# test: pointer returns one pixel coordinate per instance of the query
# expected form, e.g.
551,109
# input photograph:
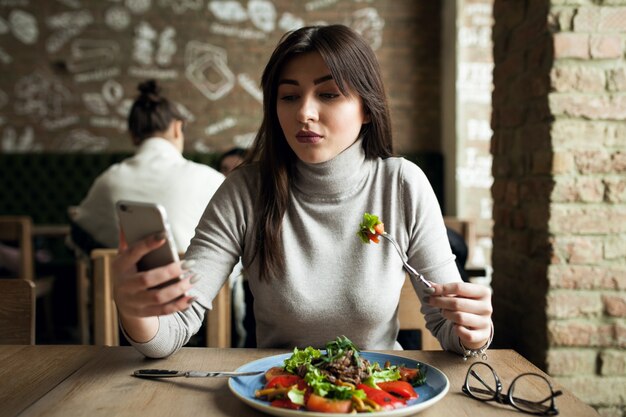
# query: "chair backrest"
17,312
466,229
17,230
106,333
411,318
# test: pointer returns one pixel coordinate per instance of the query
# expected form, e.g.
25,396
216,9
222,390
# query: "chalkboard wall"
70,67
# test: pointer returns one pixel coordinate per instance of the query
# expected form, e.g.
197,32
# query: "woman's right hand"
139,304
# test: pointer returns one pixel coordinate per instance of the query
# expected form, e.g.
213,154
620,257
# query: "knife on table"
166,373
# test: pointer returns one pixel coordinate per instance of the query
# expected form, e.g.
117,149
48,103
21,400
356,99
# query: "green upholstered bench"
44,185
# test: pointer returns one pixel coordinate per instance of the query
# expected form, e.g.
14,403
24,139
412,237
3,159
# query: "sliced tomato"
283,381
400,388
382,398
324,405
379,229
373,237
285,403
409,374
275,371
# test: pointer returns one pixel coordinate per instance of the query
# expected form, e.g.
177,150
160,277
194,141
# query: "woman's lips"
308,137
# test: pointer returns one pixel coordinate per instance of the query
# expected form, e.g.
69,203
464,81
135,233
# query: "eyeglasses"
531,393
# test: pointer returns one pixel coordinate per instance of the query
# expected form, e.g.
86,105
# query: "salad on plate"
339,380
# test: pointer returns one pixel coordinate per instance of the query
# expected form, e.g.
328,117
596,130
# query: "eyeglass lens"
482,382
531,393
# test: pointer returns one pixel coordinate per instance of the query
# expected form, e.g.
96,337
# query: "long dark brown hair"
151,112
354,67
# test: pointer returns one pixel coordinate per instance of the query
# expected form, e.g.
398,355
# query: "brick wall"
559,191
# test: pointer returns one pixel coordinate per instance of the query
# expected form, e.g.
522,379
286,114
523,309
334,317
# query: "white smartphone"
139,220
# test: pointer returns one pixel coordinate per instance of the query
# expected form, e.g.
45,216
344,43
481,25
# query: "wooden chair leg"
106,332
82,293
219,320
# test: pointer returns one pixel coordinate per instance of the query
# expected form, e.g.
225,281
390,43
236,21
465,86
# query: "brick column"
559,167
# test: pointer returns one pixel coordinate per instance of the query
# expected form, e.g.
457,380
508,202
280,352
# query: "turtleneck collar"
334,177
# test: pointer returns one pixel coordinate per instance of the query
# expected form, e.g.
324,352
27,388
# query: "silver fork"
429,288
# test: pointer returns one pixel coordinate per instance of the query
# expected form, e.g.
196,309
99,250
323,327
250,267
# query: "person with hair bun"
157,173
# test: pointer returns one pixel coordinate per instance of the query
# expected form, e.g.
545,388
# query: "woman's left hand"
468,306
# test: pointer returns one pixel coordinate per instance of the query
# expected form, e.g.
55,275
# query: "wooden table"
95,381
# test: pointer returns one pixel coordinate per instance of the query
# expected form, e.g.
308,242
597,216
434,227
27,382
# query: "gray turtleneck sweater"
333,284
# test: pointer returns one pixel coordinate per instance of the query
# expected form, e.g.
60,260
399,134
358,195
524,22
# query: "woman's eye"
288,97
329,96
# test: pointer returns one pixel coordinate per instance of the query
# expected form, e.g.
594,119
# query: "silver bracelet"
481,351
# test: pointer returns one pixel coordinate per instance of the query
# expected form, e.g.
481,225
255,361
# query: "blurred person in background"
157,173
231,159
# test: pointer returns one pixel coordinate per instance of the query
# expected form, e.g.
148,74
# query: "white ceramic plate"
433,390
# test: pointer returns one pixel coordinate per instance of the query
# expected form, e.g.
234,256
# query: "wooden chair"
106,333
17,312
18,231
412,319
467,230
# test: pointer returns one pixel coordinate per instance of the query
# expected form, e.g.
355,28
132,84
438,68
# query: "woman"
156,173
321,158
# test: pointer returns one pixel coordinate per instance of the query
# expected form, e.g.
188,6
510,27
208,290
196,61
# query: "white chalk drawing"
156,73
74,4
318,4
220,126
290,22
262,13
94,102
143,49
117,18
67,25
108,122
123,107
235,32
39,96
12,142
112,92
167,46
185,112
92,54
230,11
181,6
60,122
244,140
250,86
110,97
198,146
97,75
369,24
479,130
138,6
206,67
5,58
81,140
24,26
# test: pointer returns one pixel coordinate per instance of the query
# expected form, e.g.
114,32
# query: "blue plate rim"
395,359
